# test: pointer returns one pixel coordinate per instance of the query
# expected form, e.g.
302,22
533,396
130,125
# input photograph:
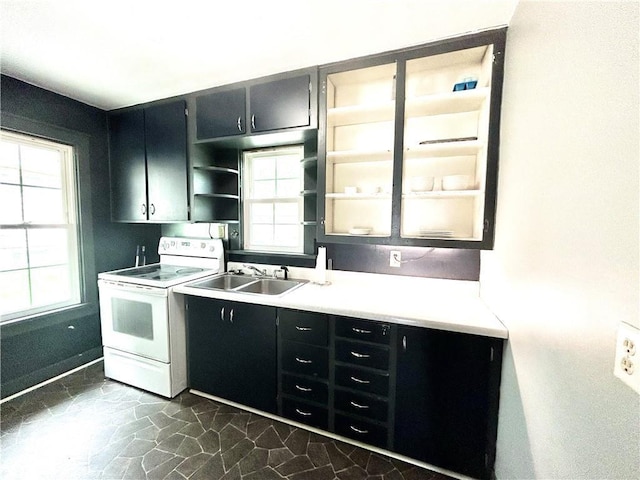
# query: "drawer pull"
360,330
303,389
303,413
360,355
359,380
357,405
303,329
357,430
302,360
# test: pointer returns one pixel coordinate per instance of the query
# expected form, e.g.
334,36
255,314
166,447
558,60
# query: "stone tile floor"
86,427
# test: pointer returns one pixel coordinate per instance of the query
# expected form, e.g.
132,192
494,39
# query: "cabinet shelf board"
441,194
444,149
309,223
217,195
212,168
359,196
446,103
357,114
347,234
357,156
308,161
307,193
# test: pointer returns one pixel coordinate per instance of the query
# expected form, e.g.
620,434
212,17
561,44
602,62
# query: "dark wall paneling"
444,263
34,351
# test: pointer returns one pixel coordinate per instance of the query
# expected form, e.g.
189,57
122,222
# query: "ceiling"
117,53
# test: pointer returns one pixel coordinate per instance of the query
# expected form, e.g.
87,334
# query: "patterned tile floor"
85,427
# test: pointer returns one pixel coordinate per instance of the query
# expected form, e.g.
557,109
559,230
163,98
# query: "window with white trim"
39,257
272,203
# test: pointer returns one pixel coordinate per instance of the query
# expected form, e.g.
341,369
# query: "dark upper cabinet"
280,104
258,107
446,402
221,114
232,351
148,161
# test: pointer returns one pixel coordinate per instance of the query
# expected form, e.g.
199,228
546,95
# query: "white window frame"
70,224
249,199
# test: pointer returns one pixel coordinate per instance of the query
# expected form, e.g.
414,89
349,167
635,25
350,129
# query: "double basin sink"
256,285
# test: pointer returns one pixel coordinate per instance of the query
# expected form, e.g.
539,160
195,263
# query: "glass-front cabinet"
408,151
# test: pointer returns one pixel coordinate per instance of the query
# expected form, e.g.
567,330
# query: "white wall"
565,268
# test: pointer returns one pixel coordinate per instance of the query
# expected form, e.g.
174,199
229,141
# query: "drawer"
304,327
362,354
362,405
362,380
363,431
305,359
305,413
305,388
366,330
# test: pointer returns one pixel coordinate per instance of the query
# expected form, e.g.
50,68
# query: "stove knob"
203,245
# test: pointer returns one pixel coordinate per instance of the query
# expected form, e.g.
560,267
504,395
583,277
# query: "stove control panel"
191,247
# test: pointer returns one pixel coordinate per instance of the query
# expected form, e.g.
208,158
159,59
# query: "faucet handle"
283,269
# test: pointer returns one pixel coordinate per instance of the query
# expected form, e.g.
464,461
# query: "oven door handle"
131,288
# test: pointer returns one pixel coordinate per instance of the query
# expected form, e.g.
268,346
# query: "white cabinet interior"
444,136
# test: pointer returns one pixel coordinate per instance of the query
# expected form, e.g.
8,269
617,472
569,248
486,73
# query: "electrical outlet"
627,362
395,258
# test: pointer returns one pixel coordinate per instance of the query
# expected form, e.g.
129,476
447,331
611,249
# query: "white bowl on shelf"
457,182
360,231
421,184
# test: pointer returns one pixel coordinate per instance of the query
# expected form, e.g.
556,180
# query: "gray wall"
38,349
564,271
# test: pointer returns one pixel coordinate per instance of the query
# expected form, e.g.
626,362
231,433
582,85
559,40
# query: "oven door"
135,319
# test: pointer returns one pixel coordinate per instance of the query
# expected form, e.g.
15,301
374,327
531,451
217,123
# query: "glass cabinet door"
446,125
360,106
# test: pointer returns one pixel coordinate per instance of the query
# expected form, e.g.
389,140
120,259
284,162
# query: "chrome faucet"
259,273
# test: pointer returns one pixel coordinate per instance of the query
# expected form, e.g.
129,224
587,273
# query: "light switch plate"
627,362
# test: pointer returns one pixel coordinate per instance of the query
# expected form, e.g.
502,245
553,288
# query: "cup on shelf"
457,182
421,184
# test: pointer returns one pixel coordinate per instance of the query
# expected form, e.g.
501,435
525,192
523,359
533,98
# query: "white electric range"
143,319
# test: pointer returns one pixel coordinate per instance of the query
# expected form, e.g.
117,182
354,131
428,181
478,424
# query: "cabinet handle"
357,430
303,389
360,330
303,329
144,209
71,327
404,343
222,314
303,413
359,380
360,355
302,360
253,121
357,405
153,209
239,124
231,316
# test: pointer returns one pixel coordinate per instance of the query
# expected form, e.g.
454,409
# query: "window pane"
262,213
289,166
287,235
41,166
48,247
264,189
263,168
9,163
14,291
287,213
288,188
11,211
43,205
13,249
262,235
50,285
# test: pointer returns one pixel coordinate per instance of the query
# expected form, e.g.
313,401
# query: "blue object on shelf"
470,84
460,86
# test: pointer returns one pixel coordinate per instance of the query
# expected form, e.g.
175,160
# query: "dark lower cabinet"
232,351
446,399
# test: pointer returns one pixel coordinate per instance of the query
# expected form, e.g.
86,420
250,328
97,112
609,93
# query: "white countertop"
441,304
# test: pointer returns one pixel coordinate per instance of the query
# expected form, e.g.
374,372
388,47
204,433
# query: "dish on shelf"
421,184
456,182
435,233
448,140
360,231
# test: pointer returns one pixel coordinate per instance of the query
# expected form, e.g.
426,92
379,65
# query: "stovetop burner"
159,272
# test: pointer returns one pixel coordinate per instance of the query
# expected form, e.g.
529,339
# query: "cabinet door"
166,144
444,412
232,351
127,165
280,104
221,114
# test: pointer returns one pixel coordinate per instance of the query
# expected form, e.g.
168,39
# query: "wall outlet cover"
627,362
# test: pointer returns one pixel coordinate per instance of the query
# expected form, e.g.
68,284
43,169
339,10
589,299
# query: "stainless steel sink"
240,284
224,282
268,286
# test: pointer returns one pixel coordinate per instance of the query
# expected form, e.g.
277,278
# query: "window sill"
45,319
273,258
